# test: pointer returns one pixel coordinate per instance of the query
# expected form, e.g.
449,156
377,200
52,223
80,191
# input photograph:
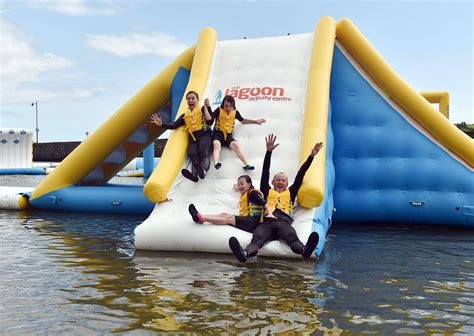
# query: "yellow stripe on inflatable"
172,159
315,122
23,202
116,130
438,97
448,135
137,174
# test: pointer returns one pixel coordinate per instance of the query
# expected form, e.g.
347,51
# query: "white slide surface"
270,75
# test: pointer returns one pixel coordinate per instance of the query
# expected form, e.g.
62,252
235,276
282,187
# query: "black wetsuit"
279,228
199,149
218,134
249,223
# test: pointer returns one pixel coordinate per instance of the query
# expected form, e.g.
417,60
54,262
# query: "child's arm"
206,109
269,211
253,121
256,198
243,120
154,119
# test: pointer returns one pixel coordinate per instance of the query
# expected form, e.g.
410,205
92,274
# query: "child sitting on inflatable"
252,207
281,200
197,121
225,117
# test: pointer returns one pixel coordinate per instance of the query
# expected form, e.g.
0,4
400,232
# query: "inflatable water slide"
16,152
389,155
80,182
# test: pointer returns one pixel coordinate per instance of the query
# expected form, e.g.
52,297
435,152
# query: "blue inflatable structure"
388,170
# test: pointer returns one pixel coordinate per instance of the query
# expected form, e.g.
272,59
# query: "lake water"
80,274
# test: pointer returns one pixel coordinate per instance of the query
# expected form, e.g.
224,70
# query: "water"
79,274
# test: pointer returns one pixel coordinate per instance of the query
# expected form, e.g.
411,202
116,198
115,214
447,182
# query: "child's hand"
154,119
260,121
235,187
206,102
270,215
316,148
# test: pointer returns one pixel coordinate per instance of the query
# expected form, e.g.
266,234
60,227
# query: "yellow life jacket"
225,122
280,201
194,121
249,209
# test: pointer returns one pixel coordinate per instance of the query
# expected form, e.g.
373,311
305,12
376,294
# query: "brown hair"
228,99
192,92
248,179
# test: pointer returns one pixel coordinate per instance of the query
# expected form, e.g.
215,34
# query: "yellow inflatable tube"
438,97
405,96
172,159
315,123
117,129
121,125
23,202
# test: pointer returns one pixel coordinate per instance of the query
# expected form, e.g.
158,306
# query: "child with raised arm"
197,121
281,199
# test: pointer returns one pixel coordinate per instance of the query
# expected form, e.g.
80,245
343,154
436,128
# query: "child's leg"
193,151
236,148
222,218
217,151
205,144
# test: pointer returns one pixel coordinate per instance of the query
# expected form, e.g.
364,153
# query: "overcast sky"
82,60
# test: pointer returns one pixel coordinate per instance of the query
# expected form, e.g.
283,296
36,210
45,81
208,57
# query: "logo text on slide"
267,93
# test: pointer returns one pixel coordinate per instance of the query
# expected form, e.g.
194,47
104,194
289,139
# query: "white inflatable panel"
269,79
132,165
16,148
44,164
10,196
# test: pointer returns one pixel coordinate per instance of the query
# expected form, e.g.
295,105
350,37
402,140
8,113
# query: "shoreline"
57,151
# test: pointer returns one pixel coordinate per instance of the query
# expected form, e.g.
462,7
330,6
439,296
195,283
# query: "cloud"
19,61
26,95
76,7
133,44
24,73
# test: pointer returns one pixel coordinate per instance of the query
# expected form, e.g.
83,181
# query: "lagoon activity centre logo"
267,93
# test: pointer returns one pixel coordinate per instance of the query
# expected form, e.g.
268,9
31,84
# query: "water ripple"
80,274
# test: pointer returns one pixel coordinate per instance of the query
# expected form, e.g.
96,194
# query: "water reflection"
218,296
169,291
403,280
69,273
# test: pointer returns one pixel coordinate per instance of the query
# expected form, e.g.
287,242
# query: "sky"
82,60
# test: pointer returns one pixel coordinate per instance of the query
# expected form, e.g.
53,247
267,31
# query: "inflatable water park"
390,153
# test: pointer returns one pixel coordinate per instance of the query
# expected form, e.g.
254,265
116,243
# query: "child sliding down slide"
281,200
197,122
252,206
225,117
